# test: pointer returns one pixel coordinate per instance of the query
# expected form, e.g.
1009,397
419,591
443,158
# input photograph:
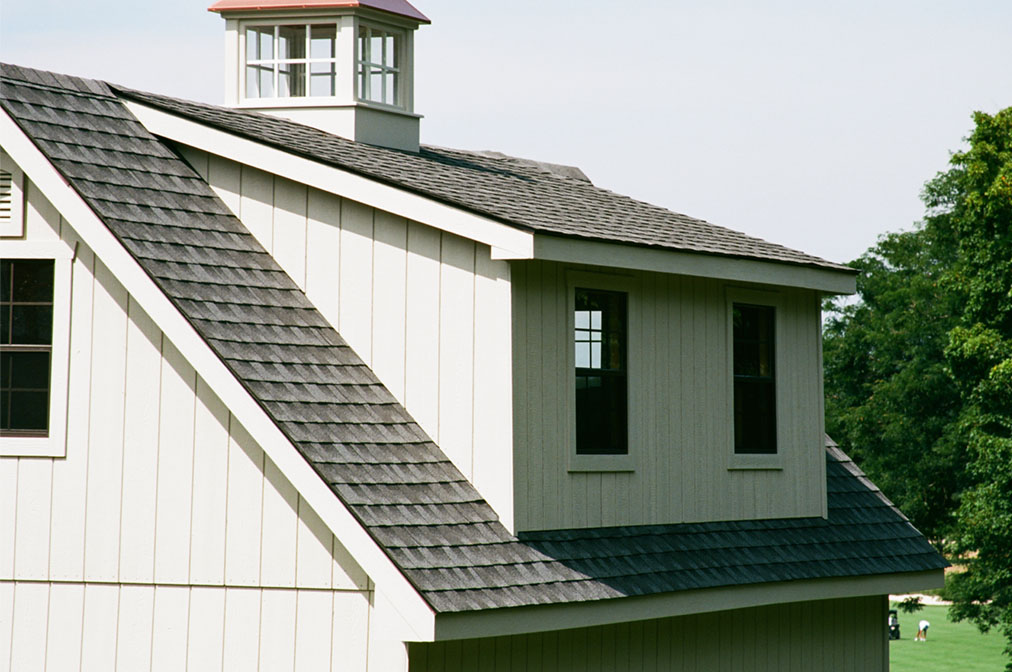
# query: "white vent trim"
12,199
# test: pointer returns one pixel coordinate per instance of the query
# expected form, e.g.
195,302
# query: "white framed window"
604,374
755,364
35,279
380,64
291,60
12,203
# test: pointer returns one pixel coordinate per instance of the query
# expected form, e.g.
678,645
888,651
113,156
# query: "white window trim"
55,443
14,225
401,45
615,283
774,299
289,101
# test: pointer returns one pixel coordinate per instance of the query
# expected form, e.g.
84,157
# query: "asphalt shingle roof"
421,510
553,200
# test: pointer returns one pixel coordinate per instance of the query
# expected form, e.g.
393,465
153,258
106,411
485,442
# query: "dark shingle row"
402,488
515,191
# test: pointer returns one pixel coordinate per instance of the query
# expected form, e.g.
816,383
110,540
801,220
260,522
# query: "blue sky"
813,125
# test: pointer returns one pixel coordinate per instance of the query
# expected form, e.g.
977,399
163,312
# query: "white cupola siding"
343,66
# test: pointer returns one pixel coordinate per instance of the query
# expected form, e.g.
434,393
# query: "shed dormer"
343,66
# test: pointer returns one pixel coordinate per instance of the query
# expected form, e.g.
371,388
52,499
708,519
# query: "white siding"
847,635
679,409
427,310
165,537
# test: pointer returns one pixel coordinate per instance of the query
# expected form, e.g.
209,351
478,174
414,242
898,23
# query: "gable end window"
35,284
600,321
26,345
755,417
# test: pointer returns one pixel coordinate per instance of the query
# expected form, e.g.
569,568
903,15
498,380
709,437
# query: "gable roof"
532,196
402,489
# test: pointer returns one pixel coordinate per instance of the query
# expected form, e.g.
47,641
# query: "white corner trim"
602,253
209,366
523,620
515,242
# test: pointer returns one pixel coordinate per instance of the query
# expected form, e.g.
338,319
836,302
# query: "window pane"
28,410
601,400
26,370
5,324
322,41
265,82
5,280
390,92
754,382
363,43
32,325
259,43
33,280
259,81
322,79
389,51
376,47
291,80
291,42
376,86
601,423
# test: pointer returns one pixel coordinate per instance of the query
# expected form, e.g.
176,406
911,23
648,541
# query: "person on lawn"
922,631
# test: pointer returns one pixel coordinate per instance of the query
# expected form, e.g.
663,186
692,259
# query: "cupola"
343,66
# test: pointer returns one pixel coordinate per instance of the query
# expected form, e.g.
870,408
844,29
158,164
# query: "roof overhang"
400,8
417,619
521,620
507,241
602,253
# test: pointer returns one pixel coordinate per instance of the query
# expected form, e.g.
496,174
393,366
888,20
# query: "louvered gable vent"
6,179
11,205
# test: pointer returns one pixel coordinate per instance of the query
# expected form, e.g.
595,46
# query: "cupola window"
379,65
291,61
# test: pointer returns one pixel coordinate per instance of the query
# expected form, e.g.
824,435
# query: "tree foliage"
919,371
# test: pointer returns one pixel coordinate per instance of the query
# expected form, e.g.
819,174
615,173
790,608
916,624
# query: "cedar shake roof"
400,486
538,197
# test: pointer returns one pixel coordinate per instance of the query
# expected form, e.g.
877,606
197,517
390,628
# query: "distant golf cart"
894,625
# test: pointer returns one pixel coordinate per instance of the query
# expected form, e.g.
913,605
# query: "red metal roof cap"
398,7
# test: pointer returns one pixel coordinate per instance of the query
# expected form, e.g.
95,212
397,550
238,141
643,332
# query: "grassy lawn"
950,646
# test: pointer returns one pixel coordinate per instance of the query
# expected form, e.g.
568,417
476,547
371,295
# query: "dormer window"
379,65
291,61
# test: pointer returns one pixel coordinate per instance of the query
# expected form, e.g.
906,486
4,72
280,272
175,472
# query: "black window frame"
34,316
602,420
754,369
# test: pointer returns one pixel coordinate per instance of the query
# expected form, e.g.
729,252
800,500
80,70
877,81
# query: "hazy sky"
811,124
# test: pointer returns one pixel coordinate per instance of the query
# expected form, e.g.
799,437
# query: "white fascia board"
599,253
518,244
521,620
381,570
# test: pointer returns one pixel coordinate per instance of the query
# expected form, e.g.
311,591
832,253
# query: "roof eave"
543,618
701,263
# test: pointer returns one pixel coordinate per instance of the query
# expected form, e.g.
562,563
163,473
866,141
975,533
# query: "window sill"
32,446
742,462
599,463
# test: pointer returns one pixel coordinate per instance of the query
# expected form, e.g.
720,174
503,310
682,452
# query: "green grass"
950,646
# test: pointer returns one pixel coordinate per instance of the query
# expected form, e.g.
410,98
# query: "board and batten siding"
166,538
428,311
844,635
680,419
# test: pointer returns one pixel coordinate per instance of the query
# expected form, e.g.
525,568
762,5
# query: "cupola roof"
397,7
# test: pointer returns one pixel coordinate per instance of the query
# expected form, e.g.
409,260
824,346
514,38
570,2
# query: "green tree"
919,370
976,198
889,398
